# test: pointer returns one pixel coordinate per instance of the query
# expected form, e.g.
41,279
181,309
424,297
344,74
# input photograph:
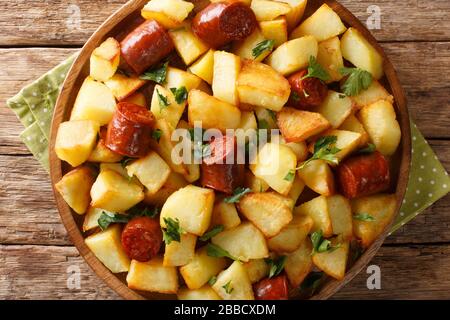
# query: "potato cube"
174,182
300,149
329,56
118,168
268,211
204,67
169,13
177,78
257,269
123,86
244,242
192,206
341,216
75,140
201,268
291,236
275,30
260,85
137,98
266,10
382,207
75,186
322,24
274,164
188,46
152,276
107,247
317,209
193,172
105,60
372,94
212,112
379,120
335,108
94,102
247,127
266,118
254,183
293,55
244,48
203,293
294,16
225,214
347,142
226,70
298,125
151,170
353,124
103,154
318,176
234,283
171,112
180,253
356,49
297,188
113,192
333,262
299,263
91,218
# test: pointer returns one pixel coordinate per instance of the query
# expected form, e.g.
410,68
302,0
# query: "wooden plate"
115,26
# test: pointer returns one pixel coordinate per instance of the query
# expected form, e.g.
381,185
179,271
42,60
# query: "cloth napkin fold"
34,104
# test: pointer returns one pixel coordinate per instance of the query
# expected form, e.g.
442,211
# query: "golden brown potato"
294,16
174,182
171,112
297,188
333,262
169,13
122,86
188,46
102,154
203,293
347,142
137,98
177,78
254,183
266,10
226,70
299,263
353,124
341,216
91,218
336,108
275,30
244,48
291,236
180,253
234,283
225,214
371,95
318,210
204,67
105,60
329,56
257,269
317,176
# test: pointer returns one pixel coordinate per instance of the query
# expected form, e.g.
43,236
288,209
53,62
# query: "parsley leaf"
163,103
138,211
263,124
294,96
324,149
156,135
173,231
315,70
212,280
266,45
228,288
180,94
367,150
238,193
107,218
213,232
320,244
276,266
125,161
290,176
217,252
272,114
357,81
363,217
157,74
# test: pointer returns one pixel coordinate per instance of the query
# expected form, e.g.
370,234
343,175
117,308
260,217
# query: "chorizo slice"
272,289
306,93
363,175
145,46
129,132
142,238
222,22
216,173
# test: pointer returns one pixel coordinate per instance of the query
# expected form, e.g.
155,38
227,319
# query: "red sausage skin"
363,175
222,22
216,173
307,93
272,289
142,238
129,132
145,46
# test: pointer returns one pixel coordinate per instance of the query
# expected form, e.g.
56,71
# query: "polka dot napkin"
34,105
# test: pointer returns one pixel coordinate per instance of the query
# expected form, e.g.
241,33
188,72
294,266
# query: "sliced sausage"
363,175
129,132
223,22
308,92
142,238
145,46
216,173
272,289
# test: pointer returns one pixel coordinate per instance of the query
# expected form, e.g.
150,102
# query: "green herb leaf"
163,102
107,218
212,280
276,266
151,213
228,288
320,244
342,96
367,150
180,94
266,45
312,282
324,149
295,96
156,134
238,193
157,74
290,176
213,232
315,70
363,217
263,124
126,161
217,252
272,114
173,231
357,81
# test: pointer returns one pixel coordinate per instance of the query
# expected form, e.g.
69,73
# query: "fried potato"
171,112
226,70
329,56
299,263
318,176
341,216
225,214
234,283
257,269
318,210
188,46
275,30
336,108
103,154
203,293
333,262
122,86
353,124
291,236
371,95
204,66
91,218
180,253
169,13
174,182
266,10
244,48
105,60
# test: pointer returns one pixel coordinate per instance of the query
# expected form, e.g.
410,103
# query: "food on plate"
231,149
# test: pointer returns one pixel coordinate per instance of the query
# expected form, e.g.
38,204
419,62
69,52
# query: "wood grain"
35,22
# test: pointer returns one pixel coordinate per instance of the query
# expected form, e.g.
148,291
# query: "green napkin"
33,105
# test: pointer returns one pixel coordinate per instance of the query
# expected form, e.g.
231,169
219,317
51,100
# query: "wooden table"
36,256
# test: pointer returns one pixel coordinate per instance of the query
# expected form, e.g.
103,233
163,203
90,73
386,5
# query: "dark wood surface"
35,251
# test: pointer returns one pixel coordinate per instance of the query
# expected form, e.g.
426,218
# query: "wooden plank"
34,22
406,273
